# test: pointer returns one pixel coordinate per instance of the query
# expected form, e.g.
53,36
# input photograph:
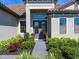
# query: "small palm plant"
50,56
25,55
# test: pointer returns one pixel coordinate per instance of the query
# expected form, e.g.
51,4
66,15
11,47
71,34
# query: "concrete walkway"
7,56
40,49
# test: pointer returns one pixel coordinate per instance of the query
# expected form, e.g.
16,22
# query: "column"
28,29
70,27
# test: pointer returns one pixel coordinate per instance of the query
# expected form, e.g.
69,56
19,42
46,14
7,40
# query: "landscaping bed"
16,45
58,48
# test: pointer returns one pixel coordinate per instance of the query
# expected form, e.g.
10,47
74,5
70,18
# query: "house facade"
37,15
8,23
42,16
65,20
58,22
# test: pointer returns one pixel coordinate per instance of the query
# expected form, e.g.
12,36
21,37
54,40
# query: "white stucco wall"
55,28
8,25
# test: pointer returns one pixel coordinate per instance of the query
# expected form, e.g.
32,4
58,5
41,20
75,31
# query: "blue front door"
37,25
40,25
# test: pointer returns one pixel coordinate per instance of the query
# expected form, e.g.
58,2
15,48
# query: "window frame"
20,26
65,26
74,26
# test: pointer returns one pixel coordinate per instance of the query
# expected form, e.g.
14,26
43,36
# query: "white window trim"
19,27
66,26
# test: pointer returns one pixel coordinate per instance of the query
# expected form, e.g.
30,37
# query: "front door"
40,28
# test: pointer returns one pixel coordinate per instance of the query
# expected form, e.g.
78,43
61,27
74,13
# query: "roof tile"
18,9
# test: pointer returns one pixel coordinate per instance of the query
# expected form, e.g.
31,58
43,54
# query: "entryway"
40,28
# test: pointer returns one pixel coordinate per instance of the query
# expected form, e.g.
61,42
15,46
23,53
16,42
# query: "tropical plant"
9,44
28,45
26,36
25,55
50,56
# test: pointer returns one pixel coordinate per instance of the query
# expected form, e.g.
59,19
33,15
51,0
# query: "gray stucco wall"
8,25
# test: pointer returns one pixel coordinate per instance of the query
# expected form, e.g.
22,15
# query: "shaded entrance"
39,24
40,28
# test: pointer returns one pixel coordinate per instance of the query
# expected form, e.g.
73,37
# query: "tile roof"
5,8
18,9
58,6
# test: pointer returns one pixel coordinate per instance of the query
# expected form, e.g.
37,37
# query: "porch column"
28,26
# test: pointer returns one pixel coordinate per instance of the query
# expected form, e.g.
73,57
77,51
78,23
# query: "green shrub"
27,45
66,45
26,36
68,52
55,43
32,34
3,49
57,53
4,45
59,42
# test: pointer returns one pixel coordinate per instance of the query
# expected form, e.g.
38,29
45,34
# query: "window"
62,25
22,26
76,25
39,16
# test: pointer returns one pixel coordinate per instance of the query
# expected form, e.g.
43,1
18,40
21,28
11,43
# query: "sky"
13,2
63,1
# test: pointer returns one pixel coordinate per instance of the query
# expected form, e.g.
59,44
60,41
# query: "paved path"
7,56
40,49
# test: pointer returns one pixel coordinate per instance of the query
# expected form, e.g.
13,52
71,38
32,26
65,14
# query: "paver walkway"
40,49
